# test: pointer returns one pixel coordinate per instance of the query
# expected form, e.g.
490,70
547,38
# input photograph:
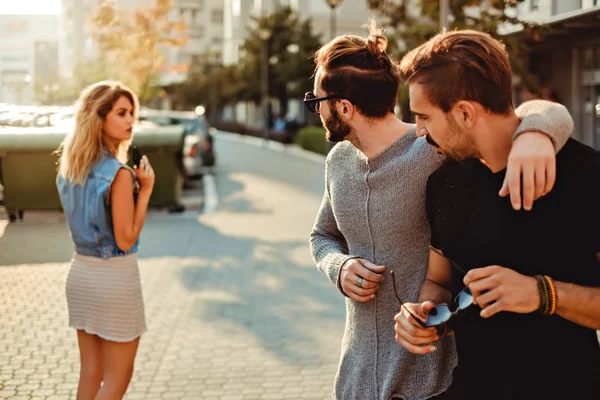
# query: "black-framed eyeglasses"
313,103
441,313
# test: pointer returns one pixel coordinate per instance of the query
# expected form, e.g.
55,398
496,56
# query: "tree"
290,48
131,42
412,26
210,82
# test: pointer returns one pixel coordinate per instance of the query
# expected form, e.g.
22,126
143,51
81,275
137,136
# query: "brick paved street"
235,307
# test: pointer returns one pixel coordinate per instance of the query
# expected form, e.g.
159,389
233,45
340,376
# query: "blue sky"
30,7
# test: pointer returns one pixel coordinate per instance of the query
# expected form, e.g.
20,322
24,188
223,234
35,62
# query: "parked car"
198,151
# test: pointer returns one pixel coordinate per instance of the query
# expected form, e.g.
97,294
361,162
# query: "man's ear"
345,109
465,113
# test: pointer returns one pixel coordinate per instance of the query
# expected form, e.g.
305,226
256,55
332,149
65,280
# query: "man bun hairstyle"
360,70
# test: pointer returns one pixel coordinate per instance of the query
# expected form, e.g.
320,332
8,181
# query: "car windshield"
191,125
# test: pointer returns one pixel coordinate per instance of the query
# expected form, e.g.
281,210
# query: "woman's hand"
145,175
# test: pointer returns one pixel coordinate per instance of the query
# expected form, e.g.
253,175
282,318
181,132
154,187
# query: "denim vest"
88,211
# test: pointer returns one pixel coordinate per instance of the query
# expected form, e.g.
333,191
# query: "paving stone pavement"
212,333
234,305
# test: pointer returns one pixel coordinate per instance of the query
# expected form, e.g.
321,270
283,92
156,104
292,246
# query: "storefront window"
589,91
596,142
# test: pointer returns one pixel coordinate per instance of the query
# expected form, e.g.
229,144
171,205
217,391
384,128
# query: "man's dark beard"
337,130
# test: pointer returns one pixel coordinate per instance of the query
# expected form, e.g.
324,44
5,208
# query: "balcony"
565,6
191,4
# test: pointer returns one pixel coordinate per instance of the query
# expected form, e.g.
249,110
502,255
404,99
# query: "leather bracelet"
544,294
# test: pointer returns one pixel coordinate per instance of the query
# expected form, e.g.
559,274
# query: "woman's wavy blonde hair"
84,145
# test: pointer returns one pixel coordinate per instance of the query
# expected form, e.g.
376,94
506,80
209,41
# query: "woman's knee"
119,359
91,372
119,378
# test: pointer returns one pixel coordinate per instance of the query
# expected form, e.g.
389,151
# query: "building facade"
349,17
28,56
566,62
204,20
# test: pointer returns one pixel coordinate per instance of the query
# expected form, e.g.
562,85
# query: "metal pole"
332,33
332,27
213,95
444,12
265,87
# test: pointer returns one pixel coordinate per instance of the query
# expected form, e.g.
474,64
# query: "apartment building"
566,63
349,17
204,19
74,44
28,56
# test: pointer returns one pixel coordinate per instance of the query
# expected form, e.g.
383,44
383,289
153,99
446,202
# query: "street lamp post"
265,35
333,4
214,65
444,12
332,25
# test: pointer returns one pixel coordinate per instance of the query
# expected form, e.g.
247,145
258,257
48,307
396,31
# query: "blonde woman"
105,204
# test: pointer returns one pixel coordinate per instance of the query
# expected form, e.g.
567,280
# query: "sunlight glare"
30,7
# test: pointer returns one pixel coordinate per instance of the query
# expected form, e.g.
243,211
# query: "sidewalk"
234,311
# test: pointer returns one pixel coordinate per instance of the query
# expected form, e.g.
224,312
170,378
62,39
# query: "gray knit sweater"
375,209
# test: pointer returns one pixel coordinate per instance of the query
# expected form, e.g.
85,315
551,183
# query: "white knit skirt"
104,297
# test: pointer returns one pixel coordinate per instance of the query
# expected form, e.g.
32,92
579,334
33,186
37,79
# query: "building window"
217,16
534,5
194,14
196,32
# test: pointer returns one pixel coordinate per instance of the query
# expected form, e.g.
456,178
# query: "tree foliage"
289,73
131,41
414,22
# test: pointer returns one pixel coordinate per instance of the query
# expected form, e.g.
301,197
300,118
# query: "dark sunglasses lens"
464,299
312,107
438,315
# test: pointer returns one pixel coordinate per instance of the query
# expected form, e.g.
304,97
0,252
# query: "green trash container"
161,145
29,166
29,169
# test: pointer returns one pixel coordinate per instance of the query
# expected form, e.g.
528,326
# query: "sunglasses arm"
415,317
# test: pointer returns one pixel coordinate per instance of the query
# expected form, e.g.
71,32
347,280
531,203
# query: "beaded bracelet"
553,295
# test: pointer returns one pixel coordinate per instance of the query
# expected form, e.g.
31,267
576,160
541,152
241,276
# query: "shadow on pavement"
274,165
254,285
230,190
34,243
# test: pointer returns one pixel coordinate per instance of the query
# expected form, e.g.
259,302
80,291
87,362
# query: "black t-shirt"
522,356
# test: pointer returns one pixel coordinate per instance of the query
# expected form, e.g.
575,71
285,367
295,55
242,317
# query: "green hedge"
312,138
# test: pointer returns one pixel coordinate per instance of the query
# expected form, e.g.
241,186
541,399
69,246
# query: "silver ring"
359,281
